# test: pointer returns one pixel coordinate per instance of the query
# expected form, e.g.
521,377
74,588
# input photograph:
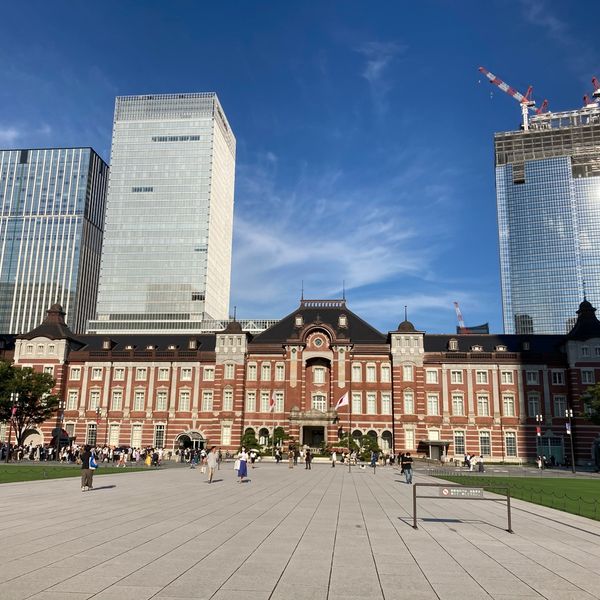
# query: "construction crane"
463,329
459,317
595,94
526,101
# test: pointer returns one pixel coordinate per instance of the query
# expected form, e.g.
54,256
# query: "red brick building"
431,394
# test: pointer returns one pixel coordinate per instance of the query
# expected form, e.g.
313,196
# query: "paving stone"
326,534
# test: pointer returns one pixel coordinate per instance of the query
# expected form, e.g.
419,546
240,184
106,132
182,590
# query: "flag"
272,402
343,401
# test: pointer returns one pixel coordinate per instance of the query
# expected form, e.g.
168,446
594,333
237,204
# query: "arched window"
386,442
263,436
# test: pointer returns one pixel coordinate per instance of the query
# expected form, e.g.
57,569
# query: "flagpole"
350,421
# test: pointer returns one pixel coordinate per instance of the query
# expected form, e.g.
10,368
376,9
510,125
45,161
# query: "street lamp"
539,419
569,427
98,415
14,398
61,415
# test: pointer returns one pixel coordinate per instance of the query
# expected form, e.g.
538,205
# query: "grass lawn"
12,473
577,496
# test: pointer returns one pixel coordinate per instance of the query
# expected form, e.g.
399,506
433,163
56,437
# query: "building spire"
405,312
302,292
343,289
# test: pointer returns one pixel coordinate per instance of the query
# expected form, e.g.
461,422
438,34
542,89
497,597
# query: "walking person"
243,467
480,466
212,462
407,467
87,472
308,459
333,458
374,457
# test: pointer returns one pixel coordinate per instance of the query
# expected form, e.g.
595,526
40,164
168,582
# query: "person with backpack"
88,466
407,467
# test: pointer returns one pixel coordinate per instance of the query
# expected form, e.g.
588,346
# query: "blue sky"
365,133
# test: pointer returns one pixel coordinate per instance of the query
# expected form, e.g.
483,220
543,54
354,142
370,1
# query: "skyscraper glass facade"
167,246
52,205
548,199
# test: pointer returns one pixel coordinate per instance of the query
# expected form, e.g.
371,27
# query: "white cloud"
379,56
9,135
324,228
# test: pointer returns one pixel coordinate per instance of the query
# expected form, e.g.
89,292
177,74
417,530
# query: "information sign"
461,492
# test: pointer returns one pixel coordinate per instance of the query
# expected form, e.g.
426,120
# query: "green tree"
249,440
280,435
591,401
343,443
34,404
368,445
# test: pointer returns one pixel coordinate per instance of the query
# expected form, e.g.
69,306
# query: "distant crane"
595,94
459,317
526,101
463,329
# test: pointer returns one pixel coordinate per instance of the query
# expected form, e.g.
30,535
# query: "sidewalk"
288,534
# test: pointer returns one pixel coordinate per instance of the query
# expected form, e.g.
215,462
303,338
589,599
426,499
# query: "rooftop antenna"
344,290
584,292
302,294
405,312
234,312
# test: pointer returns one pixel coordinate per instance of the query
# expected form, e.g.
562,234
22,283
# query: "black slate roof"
53,327
513,343
327,312
587,325
140,342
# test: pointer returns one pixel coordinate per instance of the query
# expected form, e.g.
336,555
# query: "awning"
440,443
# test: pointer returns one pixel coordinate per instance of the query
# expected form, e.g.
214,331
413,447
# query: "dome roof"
407,327
233,327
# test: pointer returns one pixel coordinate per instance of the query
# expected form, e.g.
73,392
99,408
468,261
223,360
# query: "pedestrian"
291,453
219,459
243,465
87,472
407,467
374,457
253,455
212,462
308,459
539,462
333,458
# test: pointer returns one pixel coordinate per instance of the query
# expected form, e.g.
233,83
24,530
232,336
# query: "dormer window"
343,321
192,344
171,347
500,348
525,345
476,348
299,321
453,345
106,344
129,347
150,347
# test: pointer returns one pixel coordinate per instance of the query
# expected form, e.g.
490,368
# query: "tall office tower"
52,205
166,260
548,194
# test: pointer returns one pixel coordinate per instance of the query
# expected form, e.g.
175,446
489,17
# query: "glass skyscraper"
548,197
52,204
166,259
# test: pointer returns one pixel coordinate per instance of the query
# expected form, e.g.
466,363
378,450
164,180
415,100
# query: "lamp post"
98,415
14,397
569,427
539,419
61,415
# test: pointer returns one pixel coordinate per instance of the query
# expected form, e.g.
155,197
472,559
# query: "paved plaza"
285,535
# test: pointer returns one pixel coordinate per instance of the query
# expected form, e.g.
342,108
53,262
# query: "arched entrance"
34,437
190,439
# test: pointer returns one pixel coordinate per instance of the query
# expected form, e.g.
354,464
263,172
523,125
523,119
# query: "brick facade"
426,393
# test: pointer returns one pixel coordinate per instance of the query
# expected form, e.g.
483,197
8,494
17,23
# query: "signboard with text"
461,492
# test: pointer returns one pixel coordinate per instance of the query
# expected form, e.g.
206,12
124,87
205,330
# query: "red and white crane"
459,317
525,100
595,94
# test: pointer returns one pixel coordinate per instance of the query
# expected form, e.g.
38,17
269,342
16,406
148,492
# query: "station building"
504,397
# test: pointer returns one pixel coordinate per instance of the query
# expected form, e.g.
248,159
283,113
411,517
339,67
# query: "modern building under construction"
548,200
